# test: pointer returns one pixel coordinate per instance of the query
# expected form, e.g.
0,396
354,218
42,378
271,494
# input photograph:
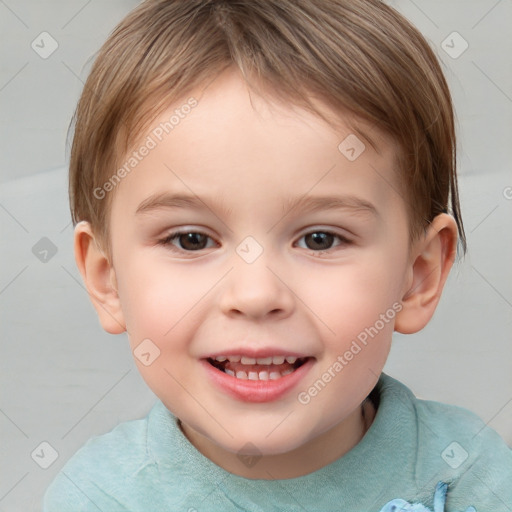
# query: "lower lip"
257,391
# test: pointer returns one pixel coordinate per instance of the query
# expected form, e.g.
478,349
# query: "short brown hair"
359,56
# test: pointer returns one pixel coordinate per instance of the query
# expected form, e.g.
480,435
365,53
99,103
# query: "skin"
247,157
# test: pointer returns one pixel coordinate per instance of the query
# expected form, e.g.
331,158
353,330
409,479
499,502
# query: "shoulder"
93,476
476,462
455,446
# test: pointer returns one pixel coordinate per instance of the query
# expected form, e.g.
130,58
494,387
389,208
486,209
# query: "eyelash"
167,241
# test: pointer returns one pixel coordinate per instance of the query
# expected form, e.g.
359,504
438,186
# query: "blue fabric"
416,456
439,503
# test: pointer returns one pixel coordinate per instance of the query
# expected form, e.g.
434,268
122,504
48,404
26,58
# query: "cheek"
354,295
161,303
357,306
155,297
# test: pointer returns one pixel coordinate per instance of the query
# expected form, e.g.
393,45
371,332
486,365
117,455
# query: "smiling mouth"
262,368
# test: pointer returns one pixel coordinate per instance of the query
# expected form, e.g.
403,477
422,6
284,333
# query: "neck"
309,457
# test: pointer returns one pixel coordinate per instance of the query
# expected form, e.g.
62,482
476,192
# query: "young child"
263,191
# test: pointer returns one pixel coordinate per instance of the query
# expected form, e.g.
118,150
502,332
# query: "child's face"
242,165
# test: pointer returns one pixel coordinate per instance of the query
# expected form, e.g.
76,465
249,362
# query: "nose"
255,291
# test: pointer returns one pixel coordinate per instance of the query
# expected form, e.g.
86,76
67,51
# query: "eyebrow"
305,203
166,200
347,202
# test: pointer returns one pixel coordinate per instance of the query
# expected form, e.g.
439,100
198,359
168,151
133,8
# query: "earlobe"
432,258
99,278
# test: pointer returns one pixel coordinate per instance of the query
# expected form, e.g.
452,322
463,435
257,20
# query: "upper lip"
256,353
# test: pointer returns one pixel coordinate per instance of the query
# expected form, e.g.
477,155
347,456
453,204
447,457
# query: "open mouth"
264,368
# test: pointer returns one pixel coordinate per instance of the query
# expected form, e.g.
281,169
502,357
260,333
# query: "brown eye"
319,241
193,241
188,241
322,241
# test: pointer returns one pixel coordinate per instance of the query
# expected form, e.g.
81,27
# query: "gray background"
63,379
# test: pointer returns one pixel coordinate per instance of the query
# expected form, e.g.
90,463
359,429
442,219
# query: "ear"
432,257
99,279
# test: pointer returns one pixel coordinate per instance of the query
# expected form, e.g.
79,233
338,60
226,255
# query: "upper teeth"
259,360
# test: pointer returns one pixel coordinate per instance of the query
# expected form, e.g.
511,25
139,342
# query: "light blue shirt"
416,456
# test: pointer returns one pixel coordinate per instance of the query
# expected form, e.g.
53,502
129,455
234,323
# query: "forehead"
244,150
